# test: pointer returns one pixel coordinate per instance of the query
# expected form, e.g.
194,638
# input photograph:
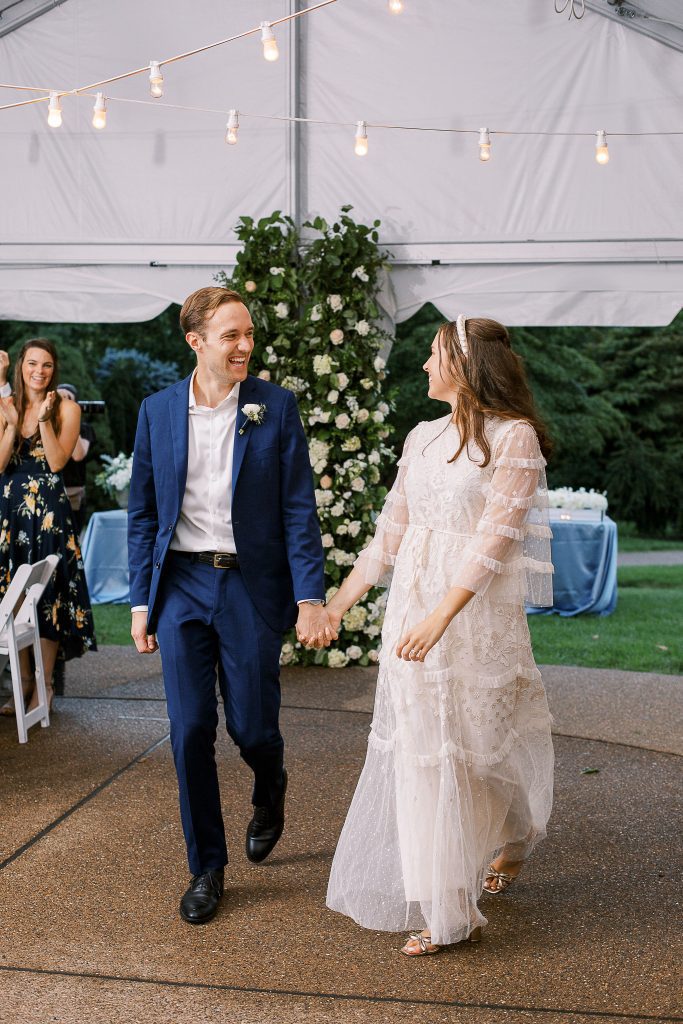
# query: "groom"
223,544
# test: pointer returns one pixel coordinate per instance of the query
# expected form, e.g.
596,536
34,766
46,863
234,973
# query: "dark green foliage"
126,377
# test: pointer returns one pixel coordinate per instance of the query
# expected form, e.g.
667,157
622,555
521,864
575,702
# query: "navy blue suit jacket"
274,517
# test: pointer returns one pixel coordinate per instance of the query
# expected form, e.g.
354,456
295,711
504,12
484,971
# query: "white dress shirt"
205,522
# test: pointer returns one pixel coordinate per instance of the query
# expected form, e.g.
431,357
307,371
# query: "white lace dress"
460,758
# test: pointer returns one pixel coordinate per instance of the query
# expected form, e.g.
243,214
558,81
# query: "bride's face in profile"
440,387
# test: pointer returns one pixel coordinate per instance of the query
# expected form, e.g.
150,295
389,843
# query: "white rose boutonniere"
254,414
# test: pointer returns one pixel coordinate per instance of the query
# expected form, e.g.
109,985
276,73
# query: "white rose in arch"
354,652
378,417
335,302
342,381
337,659
328,540
332,397
373,656
361,274
363,328
383,407
326,482
316,313
282,310
277,270
354,528
342,421
250,286
264,374
379,364
358,484
366,383
373,458
362,415
336,336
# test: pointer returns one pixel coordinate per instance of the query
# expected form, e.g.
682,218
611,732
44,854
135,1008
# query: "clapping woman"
38,434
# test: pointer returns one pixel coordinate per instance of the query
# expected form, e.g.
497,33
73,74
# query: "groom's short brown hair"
201,305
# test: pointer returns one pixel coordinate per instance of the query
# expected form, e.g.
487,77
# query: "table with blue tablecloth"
584,554
105,557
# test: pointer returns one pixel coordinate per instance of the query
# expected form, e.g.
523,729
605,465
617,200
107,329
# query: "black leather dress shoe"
200,902
265,828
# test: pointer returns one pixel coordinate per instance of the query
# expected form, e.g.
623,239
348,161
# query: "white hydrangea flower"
281,310
374,458
362,327
372,630
322,364
337,658
323,498
330,592
354,528
354,652
316,313
362,415
360,273
337,510
295,384
286,654
328,540
342,421
336,336
318,452
352,403
277,270
367,384
355,618
332,397
379,364
358,484
342,381
352,444
335,302
342,529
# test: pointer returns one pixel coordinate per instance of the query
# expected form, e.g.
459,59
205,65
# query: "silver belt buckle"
221,560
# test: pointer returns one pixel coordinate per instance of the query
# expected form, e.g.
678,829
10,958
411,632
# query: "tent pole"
294,109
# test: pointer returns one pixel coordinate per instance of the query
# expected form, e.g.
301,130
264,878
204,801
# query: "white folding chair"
21,630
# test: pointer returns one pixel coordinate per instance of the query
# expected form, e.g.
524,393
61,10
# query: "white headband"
462,336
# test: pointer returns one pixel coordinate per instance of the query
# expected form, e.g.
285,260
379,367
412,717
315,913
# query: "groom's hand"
313,627
145,642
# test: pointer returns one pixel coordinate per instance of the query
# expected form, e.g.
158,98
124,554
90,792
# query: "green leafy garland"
315,303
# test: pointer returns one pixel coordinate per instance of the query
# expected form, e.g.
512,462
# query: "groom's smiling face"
224,349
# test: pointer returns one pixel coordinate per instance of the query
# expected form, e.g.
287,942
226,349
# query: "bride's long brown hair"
20,389
490,381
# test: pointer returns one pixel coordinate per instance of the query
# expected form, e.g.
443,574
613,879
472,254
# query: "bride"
457,785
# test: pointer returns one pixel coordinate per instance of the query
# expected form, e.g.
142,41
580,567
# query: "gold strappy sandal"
423,946
501,877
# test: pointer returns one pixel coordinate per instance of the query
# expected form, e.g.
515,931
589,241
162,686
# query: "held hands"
313,628
145,642
416,644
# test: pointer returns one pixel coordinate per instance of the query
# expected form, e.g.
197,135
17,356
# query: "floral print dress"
35,521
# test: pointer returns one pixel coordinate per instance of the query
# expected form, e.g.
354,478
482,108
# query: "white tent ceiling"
114,225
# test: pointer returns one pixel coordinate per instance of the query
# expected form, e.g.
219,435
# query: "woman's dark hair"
490,380
20,390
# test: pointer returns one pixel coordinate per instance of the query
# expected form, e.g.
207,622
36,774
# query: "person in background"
5,386
74,471
38,433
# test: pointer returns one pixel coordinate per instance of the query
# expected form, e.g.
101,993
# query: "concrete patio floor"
92,866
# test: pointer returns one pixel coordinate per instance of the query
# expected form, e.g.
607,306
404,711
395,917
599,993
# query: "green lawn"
644,634
648,544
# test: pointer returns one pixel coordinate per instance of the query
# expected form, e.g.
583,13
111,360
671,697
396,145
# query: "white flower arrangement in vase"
115,478
579,504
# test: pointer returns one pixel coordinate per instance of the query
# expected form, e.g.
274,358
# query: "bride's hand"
416,644
336,615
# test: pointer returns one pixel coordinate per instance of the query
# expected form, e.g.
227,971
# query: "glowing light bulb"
270,50
156,79
484,145
232,128
396,6
361,147
601,150
54,111
99,112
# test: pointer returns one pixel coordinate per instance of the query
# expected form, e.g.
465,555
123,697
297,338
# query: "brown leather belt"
218,559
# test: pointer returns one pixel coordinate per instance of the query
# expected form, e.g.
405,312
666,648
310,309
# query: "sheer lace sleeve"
513,535
377,560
